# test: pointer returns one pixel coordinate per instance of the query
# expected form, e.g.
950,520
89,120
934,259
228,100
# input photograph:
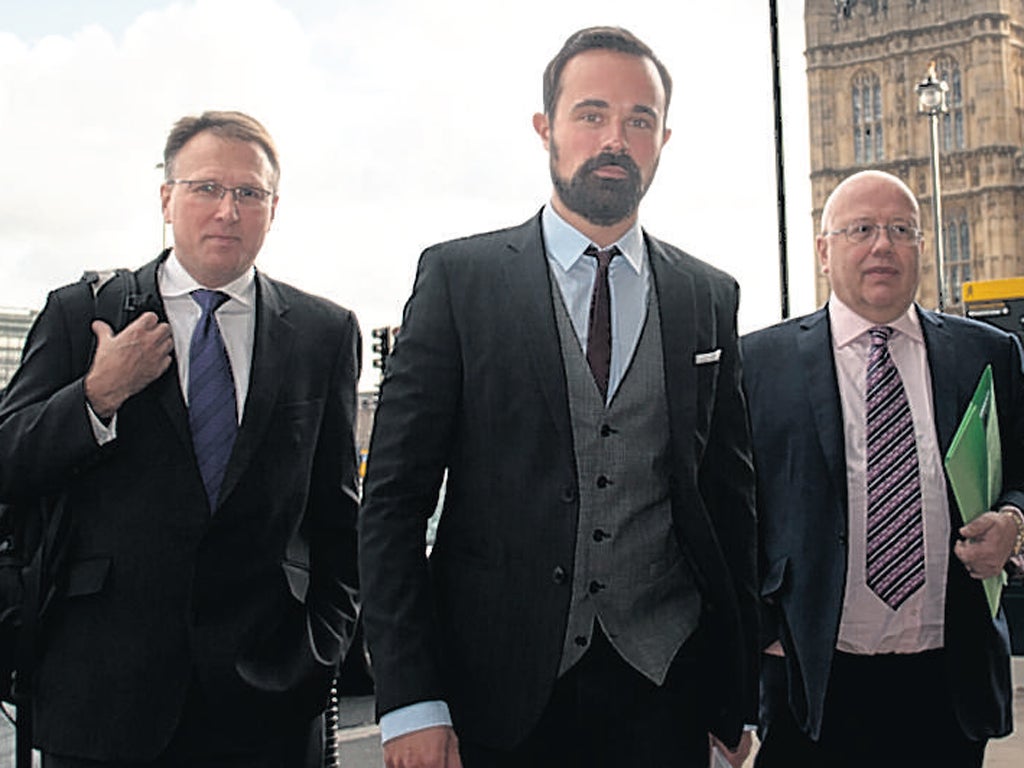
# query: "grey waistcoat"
629,573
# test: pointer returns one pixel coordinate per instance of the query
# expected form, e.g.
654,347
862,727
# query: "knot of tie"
209,301
603,256
880,335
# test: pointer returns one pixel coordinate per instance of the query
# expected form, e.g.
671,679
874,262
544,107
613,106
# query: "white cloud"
399,123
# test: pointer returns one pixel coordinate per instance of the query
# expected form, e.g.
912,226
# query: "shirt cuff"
104,433
415,717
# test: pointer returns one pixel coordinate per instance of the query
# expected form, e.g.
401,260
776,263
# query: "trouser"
886,711
604,714
200,742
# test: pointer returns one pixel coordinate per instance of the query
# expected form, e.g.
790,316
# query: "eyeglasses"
863,231
211,192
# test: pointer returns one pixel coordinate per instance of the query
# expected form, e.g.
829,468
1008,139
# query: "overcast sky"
399,123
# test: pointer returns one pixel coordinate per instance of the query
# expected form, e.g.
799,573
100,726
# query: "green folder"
974,466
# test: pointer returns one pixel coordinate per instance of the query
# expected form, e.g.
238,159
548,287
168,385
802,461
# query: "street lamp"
931,101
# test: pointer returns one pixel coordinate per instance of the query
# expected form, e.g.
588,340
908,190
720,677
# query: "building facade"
864,59
14,327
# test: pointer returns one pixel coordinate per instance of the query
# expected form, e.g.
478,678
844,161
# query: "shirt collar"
565,244
176,281
848,326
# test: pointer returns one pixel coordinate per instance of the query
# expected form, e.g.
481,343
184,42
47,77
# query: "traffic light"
381,346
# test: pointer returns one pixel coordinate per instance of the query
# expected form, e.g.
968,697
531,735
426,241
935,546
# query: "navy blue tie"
212,410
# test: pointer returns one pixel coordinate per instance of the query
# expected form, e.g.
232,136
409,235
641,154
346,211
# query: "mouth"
883,272
611,171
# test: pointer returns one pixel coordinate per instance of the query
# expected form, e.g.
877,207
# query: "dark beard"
600,201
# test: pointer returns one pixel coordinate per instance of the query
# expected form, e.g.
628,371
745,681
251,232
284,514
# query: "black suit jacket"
800,456
476,386
254,603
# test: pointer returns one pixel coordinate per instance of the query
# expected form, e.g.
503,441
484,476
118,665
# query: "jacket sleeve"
412,432
45,434
333,506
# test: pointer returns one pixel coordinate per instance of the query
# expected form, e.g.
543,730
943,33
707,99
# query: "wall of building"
894,40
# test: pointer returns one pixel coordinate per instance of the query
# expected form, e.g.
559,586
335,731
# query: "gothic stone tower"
864,58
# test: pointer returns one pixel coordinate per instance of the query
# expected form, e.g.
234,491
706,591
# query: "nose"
227,206
883,231
614,139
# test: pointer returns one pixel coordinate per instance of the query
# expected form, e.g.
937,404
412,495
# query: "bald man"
879,645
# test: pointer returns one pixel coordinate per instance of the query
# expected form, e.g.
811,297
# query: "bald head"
860,180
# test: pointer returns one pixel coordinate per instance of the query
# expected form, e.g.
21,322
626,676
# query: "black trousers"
200,742
605,714
887,711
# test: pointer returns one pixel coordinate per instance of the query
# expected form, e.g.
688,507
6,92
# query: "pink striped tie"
895,532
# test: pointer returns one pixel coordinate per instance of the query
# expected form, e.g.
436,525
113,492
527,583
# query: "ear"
821,246
273,208
165,202
543,128
666,136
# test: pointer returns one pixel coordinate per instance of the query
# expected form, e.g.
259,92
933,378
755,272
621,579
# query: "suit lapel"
940,348
679,306
271,351
166,389
814,347
528,282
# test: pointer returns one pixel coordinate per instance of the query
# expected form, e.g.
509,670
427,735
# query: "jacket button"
602,482
595,587
600,535
558,575
568,494
606,430
580,640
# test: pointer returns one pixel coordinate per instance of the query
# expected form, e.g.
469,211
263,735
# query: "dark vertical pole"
780,173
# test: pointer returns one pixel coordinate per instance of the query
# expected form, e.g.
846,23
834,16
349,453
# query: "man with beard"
590,598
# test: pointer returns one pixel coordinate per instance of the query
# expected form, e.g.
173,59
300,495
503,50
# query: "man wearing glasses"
879,646
208,468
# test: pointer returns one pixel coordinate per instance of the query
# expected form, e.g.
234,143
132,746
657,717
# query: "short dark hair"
228,125
598,38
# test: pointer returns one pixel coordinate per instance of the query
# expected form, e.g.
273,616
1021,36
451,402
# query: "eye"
640,122
860,229
207,188
250,193
899,229
591,117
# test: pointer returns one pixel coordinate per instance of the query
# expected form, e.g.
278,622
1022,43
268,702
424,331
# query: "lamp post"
931,102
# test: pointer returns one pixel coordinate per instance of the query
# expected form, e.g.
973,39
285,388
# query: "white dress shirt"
236,319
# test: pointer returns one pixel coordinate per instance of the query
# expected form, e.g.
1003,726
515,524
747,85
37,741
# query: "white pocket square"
703,358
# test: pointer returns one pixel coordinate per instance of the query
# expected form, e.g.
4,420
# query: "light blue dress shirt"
628,284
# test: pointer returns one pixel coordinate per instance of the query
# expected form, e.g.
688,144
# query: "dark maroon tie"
599,326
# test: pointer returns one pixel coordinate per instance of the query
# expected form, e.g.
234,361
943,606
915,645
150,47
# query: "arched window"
957,239
868,144
953,121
